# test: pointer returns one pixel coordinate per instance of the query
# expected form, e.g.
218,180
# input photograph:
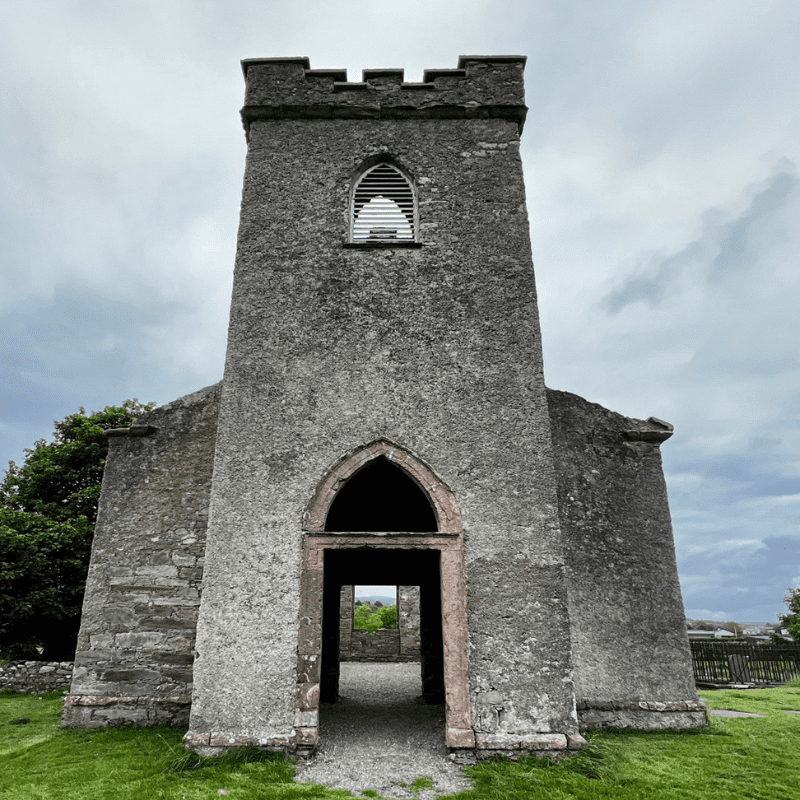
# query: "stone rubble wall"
409,621
135,653
381,646
35,677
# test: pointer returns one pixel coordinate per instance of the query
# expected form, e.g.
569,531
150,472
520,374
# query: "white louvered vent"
383,206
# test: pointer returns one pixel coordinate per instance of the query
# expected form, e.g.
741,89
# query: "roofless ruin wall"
426,353
136,643
633,665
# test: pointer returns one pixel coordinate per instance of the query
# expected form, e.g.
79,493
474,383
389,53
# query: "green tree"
48,508
365,619
791,621
388,617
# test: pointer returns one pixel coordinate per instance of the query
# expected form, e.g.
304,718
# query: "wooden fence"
737,662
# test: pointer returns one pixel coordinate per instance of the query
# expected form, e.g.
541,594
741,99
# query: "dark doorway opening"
362,536
381,497
418,567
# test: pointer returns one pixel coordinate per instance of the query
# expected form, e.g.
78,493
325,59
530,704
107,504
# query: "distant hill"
372,598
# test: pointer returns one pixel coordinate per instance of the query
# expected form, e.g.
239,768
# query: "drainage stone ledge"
213,744
641,719
104,711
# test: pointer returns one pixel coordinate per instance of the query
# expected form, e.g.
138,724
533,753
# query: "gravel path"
377,737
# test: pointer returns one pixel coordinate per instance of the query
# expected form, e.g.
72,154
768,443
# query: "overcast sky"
661,157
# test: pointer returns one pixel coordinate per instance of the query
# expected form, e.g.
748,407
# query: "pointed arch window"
383,207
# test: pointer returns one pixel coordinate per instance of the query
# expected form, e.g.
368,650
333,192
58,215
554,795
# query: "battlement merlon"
287,88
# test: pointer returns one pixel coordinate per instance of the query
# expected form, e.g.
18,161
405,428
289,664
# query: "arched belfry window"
383,208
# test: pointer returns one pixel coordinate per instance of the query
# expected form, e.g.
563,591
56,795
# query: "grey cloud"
652,287
122,146
733,242
764,571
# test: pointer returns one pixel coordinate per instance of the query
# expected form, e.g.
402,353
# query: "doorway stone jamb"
448,540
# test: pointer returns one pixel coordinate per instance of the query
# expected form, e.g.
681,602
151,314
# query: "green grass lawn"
733,758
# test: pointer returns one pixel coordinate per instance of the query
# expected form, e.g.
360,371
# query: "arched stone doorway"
372,513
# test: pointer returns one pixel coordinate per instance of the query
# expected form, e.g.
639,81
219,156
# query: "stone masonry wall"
633,666
136,644
480,87
381,646
409,621
35,677
401,644
333,345
432,350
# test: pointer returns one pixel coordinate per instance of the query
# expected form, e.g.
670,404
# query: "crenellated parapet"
287,88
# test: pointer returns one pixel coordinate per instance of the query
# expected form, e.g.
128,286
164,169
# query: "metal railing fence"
738,662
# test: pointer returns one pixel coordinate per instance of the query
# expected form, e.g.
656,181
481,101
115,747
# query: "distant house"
719,634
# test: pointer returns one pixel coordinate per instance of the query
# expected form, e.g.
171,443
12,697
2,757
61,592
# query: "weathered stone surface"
35,677
576,742
88,711
306,736
554,566
520,661
114,715
306,719
627,620
307,696
483,86
459,738
155,489
543,741
641,720
418,346
131,675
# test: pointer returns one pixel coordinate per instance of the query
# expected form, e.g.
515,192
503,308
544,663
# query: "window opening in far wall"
375,608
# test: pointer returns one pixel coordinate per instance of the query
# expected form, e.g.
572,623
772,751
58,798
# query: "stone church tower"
383,419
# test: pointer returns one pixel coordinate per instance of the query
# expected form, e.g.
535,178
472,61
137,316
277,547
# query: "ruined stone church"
383,419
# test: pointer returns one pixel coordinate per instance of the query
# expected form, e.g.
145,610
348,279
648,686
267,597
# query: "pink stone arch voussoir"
448,514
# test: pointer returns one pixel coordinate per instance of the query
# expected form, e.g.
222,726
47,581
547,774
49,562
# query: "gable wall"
136,643
629,639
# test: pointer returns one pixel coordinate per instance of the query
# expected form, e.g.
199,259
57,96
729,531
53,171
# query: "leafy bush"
365,619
